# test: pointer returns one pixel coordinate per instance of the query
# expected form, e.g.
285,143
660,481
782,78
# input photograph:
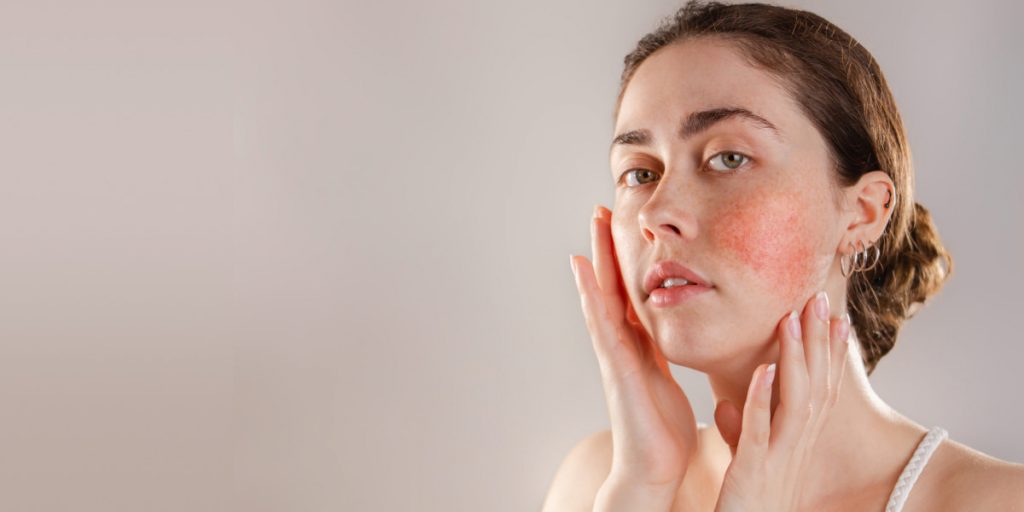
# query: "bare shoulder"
581,474
968,479
588,464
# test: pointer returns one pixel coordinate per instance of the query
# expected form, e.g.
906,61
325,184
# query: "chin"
692,348
705,350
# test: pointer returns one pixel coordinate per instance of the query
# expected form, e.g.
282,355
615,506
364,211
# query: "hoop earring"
858,259
874,261
863,256
854,258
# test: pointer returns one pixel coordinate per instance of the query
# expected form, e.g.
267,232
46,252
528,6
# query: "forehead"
684,77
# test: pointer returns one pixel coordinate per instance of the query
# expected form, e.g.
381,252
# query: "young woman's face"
748,208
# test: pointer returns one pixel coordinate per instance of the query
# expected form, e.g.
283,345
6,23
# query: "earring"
874,261
889,200
858,260
854,258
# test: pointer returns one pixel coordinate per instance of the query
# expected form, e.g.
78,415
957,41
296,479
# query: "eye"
634,177
729,159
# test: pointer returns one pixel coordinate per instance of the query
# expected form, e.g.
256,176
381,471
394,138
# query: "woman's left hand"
771,453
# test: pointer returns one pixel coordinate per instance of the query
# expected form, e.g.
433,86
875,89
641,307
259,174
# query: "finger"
816,349
609,277
619,358
631,409
840,347
728,419
604,264
612,355
793,411
606,215
753,444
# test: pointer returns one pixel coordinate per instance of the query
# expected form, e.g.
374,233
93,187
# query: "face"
748,208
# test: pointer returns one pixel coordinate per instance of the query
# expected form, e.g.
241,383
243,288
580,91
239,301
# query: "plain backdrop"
311,255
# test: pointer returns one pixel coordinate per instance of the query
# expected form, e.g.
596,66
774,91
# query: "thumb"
729,420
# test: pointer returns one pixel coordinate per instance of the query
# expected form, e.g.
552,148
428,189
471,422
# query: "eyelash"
747,159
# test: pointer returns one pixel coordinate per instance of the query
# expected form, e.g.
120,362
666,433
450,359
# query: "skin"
760,235
767,236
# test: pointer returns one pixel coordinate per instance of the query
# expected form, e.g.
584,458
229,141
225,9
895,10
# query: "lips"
665,269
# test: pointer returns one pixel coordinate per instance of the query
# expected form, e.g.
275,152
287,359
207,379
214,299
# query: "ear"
871,202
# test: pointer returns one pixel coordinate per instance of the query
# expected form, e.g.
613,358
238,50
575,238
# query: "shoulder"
971,480
581,474
589,462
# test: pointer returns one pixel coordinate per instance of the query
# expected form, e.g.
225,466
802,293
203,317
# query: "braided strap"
913,468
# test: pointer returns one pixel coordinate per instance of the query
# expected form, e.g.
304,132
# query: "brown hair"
841,89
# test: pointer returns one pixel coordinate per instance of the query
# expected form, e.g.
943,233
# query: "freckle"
770,234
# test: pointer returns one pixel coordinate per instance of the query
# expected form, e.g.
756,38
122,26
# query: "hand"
771,454
654,433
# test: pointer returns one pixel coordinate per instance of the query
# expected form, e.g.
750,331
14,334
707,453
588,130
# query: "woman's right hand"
654,433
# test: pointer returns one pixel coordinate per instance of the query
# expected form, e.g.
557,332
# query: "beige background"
311,256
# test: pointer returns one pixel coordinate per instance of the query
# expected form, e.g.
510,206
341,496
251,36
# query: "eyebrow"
695,123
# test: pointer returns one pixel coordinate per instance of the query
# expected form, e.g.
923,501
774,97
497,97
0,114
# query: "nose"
667,215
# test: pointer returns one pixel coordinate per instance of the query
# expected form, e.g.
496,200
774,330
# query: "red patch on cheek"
771,235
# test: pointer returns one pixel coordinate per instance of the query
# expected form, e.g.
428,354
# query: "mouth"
668,275
664,296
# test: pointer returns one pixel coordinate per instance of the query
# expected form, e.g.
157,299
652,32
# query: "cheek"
774,237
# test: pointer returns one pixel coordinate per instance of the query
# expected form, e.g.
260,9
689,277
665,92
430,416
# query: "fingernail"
572,265
821,306
597,211
769,375
794,324
844,328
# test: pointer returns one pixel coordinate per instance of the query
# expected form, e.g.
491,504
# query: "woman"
764,224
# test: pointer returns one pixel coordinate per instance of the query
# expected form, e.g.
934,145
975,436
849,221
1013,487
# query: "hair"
841,89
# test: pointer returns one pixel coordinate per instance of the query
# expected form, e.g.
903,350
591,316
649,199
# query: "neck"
863,445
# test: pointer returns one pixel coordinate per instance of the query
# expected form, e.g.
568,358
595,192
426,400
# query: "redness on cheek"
772,235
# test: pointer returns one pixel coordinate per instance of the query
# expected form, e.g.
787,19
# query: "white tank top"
914,467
